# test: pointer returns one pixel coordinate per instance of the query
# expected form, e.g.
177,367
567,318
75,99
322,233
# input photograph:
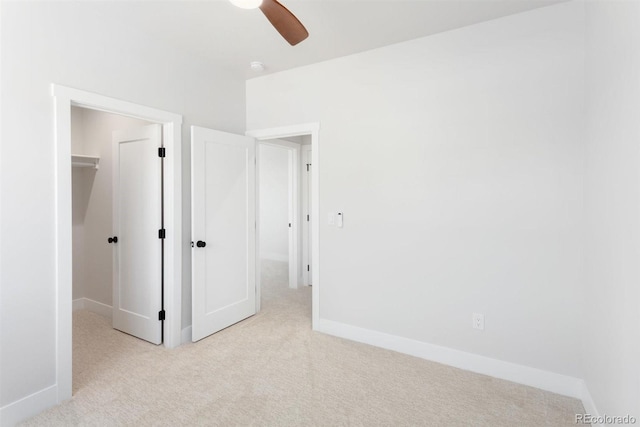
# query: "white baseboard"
185,337
545,380
93,306
272,256
28,406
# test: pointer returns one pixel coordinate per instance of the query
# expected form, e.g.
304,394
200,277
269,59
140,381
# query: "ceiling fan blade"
284,21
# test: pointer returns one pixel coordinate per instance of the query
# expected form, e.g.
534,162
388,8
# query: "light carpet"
273,370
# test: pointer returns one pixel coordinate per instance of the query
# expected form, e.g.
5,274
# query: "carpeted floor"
272,370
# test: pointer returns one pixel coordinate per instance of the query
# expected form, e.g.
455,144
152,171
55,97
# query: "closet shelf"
81,161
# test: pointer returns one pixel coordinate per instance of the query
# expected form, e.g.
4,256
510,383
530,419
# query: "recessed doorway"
65,98
116,214
279,209
309,134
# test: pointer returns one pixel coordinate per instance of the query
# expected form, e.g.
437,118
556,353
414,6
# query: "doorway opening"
169,125
116,214
92,207
305,139
279,209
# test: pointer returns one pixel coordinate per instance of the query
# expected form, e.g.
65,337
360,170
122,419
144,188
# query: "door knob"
201,244
113,239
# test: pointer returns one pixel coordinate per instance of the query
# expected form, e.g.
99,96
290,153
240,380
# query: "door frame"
306,155
312,129
64,98
293,208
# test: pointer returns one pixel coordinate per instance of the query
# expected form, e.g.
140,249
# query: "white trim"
93,306
63,249
258,263
64,98
28,406
306,156
186,335
285,131
545,380
173,247
98,102
281,143
312,129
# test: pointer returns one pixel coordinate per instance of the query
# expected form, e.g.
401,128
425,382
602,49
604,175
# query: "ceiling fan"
280,17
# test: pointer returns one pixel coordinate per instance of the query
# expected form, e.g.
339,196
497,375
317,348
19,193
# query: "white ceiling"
231,37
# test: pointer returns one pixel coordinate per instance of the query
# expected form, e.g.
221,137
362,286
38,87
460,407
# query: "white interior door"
137,218
223,203
292,236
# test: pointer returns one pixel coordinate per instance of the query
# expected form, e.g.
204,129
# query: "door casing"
306,210
64,98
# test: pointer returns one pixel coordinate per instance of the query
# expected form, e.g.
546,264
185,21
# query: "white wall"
457,160
92,208
274,203
82,45
612,310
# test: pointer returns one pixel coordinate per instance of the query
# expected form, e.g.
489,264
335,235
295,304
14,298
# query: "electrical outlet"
478,321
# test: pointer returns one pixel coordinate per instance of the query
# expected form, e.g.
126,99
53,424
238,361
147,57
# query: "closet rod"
84,161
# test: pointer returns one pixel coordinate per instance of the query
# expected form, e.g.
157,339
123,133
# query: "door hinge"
161,315
162,233
307,267
308,164
307,217
162,152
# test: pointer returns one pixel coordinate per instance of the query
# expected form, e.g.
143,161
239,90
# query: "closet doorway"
116,218
170,232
